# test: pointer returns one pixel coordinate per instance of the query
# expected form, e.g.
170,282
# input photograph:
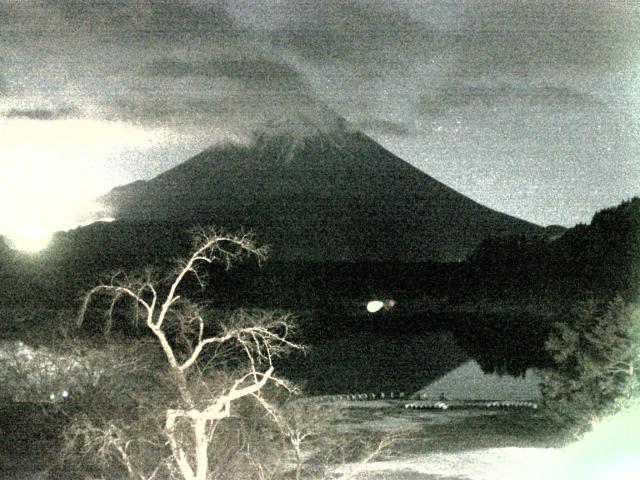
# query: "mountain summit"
313,193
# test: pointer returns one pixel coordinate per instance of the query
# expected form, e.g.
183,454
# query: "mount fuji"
317,193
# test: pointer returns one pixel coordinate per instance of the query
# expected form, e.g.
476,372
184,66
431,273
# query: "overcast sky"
530,108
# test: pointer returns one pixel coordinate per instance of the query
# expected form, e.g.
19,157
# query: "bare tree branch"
260,337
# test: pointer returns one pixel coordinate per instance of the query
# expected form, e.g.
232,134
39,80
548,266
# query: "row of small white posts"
361,397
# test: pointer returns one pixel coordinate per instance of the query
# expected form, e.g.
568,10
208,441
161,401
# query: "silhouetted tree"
597,357
603,258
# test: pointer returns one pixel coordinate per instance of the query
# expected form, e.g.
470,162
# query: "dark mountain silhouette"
600,259
317,194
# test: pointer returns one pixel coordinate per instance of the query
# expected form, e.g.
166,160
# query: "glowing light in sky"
52,169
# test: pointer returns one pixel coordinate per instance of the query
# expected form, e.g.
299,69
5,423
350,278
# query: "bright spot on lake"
374,305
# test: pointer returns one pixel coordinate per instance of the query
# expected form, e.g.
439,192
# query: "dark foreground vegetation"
191,397
504,298
204,380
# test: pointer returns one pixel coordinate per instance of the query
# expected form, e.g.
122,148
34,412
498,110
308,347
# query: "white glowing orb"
374,306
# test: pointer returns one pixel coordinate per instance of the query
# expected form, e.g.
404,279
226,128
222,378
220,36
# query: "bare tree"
180,329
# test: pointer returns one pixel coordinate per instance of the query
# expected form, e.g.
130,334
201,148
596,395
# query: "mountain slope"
325,194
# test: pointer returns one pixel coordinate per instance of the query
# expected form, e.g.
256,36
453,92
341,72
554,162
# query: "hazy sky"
530,108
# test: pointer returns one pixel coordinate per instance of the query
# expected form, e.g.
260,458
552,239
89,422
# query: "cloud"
41,113
353,32
543,38
188,62
376,59
459,95
492,35
552,16
252,72
80,16
237,88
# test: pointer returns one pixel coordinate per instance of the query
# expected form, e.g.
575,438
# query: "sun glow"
30,238
51,171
